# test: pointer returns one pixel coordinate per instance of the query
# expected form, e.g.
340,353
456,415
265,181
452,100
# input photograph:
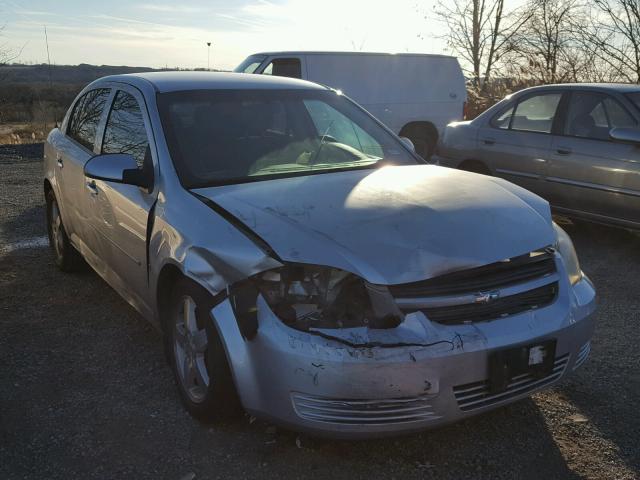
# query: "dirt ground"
85,391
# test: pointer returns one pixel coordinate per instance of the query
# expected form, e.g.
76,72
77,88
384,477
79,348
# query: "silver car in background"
576,145
303,263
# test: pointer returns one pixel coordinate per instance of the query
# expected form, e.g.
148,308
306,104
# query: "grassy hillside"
66,74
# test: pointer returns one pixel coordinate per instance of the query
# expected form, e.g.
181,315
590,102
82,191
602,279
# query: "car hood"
390,225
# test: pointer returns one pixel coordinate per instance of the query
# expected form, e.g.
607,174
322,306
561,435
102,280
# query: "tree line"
541,42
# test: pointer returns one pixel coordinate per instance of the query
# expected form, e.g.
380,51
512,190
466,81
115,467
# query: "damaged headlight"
565,247
310,296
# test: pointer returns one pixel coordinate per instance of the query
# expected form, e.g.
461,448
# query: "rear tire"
66,257
197,356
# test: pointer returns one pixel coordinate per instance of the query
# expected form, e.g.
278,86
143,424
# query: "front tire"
66,257
197,356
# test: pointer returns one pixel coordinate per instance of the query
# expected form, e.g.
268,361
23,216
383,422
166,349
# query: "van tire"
424,137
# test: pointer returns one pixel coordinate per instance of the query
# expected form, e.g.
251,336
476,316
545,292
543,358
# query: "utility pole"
208,55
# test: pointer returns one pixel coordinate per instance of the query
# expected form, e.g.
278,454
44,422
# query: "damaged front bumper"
328,387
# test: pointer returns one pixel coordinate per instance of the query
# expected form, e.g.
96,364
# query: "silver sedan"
576,145
303,263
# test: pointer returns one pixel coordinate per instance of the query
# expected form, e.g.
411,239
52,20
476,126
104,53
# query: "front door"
120,212
72,153
589,174
517,141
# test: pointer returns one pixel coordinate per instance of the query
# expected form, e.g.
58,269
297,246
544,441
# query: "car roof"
618,87
179,81
319,52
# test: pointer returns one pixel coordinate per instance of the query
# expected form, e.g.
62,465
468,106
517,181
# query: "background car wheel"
67,258
197,356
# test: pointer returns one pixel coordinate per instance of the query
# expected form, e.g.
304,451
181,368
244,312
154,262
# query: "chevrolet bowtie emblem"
486,297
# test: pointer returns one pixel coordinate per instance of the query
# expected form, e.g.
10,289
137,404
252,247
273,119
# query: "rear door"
589,173
516,143
120,212
77,148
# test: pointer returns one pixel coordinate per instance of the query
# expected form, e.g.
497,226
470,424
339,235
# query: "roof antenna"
46,40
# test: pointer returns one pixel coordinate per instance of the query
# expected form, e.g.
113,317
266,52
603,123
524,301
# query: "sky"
174,34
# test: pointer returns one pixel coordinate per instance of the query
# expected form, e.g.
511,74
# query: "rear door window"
592,115
86,115
125,131
284,67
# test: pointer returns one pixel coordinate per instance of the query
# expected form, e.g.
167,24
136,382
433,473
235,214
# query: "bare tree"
7,53
545,49
480,32
612,36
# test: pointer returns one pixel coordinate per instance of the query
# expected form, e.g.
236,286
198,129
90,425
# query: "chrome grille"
476,395
363,412
488,277
502,307
497,290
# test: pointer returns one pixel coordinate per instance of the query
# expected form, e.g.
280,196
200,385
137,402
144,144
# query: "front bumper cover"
325,387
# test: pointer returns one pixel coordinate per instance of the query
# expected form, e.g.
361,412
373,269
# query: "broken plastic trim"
387,345
243,297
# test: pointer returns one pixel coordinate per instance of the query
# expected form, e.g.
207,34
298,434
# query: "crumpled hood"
394,224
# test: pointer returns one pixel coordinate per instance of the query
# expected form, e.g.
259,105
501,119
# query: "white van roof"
317,52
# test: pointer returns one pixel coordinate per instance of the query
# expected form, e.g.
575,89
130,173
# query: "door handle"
563,150
59,161
489,141
92,187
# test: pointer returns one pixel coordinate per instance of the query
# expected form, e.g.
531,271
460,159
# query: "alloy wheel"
190,346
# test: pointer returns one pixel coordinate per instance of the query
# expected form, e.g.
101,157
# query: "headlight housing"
311,296
565,247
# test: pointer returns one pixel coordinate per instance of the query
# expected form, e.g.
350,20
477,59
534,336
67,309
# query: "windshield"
233,136
250,64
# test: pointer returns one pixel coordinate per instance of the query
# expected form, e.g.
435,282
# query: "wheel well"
424,136
166,280
421,129
47,187
476,166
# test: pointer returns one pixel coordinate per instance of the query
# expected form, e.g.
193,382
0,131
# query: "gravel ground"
85,392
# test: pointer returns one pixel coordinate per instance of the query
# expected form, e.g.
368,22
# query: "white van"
414,95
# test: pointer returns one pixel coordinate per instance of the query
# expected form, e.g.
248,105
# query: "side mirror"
627,135
117,168
408,143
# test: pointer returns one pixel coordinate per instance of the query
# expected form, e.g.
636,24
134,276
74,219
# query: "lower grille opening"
472,396
501,307
363,412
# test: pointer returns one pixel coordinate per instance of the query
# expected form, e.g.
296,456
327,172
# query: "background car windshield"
221,137
250,64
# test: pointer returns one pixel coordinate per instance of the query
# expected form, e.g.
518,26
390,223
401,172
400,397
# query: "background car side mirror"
408,143
627,135
117,168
